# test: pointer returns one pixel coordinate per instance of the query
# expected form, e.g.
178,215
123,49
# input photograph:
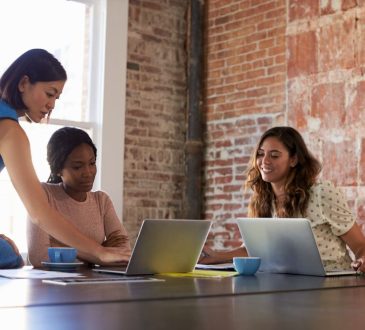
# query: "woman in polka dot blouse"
283,177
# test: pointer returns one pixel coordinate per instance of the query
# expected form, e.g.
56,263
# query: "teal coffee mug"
246,265
62,254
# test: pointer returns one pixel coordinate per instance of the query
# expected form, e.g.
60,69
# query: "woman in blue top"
30,88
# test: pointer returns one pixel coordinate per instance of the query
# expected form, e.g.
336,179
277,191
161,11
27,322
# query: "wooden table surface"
270,301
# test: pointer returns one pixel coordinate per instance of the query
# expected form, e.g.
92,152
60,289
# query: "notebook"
165,246
285,245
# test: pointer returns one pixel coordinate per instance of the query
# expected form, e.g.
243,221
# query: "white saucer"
61,265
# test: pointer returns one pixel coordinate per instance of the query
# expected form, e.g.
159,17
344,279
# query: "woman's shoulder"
52,188
6,111
323,186
100,195
12,134
102,199
326,189
7,125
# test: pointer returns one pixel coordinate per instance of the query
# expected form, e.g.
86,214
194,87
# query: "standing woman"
30,87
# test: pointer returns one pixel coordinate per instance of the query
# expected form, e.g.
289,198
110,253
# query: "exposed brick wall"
326,88
293,62
155,117
245,94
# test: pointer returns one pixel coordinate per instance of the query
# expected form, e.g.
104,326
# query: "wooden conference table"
263,301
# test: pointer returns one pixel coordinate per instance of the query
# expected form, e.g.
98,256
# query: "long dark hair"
38,65
300,179
60,145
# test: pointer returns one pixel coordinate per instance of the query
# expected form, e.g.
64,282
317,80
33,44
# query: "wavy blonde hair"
299,181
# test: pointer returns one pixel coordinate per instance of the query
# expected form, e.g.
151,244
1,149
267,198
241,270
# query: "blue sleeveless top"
6,111
8,257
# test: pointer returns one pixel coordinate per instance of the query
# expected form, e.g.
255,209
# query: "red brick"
220,3
223,144
223,180
151,5
225,197
232,227
278,31
266,43
224,107
340,161
336,46
330,7
227,89
361,40
212,65
256,37
232,188
302,50
355,114
256,73
256,92
231,206
275,13
214,116
276,69
362,162
328,104
348,4
303,9
222,162
241,111
298,103
213,207
267,24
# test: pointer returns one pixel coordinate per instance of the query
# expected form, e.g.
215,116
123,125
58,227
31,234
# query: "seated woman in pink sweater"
71,155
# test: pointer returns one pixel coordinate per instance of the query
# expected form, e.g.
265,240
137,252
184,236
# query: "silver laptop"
285,245
165,246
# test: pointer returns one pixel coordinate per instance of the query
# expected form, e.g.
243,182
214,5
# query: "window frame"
108,94
106,103
113,107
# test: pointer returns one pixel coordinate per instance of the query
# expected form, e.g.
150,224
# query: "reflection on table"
276,301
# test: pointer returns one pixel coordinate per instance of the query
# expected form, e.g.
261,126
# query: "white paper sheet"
30,273
226,266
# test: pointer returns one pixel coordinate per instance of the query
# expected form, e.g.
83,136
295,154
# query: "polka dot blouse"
330,218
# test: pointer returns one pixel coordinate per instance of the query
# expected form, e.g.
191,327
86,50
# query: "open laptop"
285,245
165,246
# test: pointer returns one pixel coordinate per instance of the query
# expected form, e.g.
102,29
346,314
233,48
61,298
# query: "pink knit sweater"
95,217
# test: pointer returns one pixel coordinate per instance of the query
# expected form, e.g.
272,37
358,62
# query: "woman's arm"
115,232
118,239
38,243
209,256
356,242
15,150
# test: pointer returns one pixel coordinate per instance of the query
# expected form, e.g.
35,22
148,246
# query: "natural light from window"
61,27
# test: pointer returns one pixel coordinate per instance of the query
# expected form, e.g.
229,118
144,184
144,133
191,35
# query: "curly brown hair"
300,179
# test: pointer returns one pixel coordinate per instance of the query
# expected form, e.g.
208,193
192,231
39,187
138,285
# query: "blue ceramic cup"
62,254
246,265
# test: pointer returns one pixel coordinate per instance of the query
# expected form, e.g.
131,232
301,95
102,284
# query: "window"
90,46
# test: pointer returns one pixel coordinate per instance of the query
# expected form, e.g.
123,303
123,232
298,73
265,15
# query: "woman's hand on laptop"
359,264
355,240
112,256
209,256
